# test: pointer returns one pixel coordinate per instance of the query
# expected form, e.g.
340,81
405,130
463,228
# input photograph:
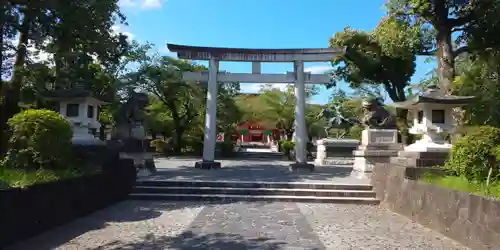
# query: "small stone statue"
376,116
131,114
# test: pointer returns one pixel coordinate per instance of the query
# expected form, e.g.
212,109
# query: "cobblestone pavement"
250,170
241,225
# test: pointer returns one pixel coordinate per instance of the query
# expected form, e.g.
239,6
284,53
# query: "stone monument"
379,139
130,131
432,113
334,151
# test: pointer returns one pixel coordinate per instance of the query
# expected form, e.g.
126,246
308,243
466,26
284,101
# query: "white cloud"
250,87
121,29
166,52
142,4
151,4
318,69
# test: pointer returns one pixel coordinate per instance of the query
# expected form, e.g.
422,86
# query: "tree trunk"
289,134
402,118
11,92
446,58
102,132
177,138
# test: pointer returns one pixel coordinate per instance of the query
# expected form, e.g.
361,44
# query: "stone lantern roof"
433,95
77,92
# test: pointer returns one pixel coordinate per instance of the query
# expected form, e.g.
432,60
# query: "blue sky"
253,24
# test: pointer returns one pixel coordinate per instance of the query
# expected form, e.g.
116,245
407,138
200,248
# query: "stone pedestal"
301,167
377,146
331,148
207,165
132,148
81,136
420,159
143,161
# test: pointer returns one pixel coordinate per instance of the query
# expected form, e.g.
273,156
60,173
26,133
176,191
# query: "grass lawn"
462,184
23,178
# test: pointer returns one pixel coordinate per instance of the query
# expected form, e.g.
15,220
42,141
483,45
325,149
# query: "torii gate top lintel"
257,55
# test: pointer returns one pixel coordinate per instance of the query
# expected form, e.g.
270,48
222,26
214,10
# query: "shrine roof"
434,97
265,125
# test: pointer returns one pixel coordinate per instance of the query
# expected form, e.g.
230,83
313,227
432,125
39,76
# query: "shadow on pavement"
126,211
191,241
251,172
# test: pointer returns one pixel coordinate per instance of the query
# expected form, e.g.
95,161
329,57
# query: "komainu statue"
376,116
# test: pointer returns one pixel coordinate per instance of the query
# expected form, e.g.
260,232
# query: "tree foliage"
475,23
279,107
181,104
385,56
479,78
76,34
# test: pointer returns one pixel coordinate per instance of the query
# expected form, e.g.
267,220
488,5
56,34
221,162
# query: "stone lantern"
432,113
81,109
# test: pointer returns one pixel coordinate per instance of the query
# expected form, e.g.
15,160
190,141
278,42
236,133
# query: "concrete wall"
469,219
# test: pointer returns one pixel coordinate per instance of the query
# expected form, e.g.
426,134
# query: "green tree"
315,126
449,28
184,101
479,78
163,79
229,114
158,118
50,26
280,106
384,57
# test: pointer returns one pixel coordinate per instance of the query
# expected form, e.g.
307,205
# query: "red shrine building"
255,131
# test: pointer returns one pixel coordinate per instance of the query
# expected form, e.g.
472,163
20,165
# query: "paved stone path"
241,225
250,170
148,225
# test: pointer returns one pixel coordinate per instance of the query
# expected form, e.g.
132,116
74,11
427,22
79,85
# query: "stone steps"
254,191
259,155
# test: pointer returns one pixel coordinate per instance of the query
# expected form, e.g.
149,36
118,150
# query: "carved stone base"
334,148
420,159
144,162
377,146
301,167
207,165
428,146
364,161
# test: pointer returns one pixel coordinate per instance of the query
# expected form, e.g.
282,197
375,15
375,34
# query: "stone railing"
469,219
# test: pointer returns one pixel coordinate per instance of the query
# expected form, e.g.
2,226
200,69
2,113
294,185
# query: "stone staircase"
253,191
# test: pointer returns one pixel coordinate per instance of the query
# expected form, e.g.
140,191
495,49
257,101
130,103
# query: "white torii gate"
299,78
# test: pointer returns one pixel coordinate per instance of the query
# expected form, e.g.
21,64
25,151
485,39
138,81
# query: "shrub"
473,155
193,145
39,139
160,146
226,148
355,132
286,147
